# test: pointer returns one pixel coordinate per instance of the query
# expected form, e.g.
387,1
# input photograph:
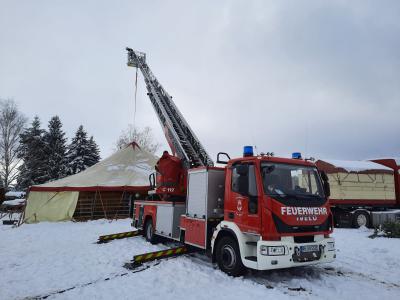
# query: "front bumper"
293,258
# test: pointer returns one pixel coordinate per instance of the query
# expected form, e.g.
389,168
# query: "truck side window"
252,181
251,191
253,194
235,180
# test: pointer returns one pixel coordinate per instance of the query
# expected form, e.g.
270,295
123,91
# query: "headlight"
272,250
330,246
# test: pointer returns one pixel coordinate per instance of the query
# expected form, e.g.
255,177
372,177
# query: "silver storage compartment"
197,193
205,193
168,218
380,217
216,192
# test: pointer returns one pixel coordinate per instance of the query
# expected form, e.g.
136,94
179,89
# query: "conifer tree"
80,152
32,152
94,152
55,150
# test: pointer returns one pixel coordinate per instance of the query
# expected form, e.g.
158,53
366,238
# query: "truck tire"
148,231
361,218
228,257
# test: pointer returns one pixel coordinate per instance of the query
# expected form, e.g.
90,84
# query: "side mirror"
324,176
327,189
326,186
223,161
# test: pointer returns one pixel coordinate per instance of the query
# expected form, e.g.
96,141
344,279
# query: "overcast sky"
319,77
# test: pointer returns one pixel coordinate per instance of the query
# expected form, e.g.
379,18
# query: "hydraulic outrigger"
145,257
117,236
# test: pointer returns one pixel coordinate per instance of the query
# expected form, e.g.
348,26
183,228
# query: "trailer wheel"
361,218
228,257
149,231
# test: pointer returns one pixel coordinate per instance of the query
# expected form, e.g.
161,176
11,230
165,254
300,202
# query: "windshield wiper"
299,195
283,195
306,195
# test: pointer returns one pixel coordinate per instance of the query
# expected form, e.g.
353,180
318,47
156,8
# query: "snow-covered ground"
38,259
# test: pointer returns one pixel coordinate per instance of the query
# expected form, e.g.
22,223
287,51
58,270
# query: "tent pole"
93,205
102,205
22,215
120,201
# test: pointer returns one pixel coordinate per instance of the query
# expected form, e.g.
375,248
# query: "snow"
14,202
356,166
115,167
38,259
15,194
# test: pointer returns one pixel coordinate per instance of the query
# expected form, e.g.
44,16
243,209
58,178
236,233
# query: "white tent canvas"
126,170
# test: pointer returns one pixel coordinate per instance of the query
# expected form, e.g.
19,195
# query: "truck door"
244,198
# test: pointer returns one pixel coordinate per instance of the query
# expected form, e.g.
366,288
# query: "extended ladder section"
180,137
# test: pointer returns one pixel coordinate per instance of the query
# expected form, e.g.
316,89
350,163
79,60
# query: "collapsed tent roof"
127,169
333,166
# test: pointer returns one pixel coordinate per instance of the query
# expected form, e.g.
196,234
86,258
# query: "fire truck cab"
276,214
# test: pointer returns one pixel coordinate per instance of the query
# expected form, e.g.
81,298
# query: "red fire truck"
258,211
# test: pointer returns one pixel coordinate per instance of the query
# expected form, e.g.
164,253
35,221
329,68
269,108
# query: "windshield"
291,181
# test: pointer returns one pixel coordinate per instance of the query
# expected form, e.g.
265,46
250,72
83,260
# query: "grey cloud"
314,76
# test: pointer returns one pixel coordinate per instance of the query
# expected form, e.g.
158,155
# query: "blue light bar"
296,155
248,151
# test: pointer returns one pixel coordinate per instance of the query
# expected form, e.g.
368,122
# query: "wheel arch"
146,219
149,211
222,233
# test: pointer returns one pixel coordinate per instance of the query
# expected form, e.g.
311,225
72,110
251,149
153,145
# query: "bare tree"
11,125
143,137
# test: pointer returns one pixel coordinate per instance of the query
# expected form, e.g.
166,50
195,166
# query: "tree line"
33,155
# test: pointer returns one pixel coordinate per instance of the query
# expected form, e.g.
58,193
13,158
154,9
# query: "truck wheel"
149,231
228,257
361,218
